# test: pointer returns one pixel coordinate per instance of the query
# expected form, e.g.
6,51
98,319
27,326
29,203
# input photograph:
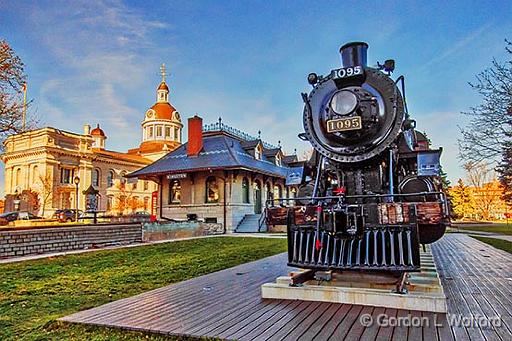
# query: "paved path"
227,304
483,234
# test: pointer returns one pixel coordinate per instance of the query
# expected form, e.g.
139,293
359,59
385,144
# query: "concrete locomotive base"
425,292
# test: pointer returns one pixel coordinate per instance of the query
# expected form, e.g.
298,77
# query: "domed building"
161,127
46,162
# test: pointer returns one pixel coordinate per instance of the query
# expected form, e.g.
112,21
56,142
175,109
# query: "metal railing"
219,126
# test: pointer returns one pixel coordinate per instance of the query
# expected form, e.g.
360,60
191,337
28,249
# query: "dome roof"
163,111
163,86
98,131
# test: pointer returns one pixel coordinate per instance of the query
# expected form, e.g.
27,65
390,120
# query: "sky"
97,61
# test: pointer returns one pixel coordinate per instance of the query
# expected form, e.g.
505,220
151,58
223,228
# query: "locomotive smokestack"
353,54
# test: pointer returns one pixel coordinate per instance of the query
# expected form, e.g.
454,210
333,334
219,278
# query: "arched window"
146,185
146,203
17,177
174,192
212,190
278,192
257,152
245,190
96,177
110,178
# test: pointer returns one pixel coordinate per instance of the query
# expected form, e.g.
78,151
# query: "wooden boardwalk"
227,304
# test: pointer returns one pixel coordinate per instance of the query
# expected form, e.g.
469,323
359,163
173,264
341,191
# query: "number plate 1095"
344,124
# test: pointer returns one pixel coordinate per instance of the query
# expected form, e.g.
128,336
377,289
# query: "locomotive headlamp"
312,78
343,102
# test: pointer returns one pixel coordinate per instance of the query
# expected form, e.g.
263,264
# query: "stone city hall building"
221,175
44,163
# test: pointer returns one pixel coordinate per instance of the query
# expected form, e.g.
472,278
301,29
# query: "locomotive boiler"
371,194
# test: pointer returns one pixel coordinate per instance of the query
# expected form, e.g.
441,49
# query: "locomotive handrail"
442,197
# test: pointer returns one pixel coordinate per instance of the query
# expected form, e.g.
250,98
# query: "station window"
257,153
159,131
167,132
212,190
174,192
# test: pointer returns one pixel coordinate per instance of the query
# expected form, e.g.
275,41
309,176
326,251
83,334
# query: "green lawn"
34,294
497,243
501,228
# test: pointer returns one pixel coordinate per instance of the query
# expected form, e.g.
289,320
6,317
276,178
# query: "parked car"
7,217
66,215
139,217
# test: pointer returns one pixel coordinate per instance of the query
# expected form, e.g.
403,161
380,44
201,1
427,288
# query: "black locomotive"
371,192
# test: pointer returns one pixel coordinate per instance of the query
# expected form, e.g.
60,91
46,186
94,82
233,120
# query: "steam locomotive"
371,192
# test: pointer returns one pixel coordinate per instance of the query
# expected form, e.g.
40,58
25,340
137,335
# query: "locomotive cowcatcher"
371,192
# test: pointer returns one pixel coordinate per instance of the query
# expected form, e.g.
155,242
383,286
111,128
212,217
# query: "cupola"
99,137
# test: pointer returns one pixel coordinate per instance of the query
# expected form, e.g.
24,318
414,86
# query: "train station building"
221,175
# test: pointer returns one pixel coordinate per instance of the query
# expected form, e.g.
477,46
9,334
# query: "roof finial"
279,143
259,134
162,72
295,151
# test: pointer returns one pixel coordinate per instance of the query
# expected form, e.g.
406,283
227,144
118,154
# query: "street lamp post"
76,180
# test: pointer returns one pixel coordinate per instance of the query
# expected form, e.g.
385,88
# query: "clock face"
177,115
149,114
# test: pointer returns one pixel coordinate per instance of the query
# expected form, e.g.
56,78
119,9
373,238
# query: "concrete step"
249,224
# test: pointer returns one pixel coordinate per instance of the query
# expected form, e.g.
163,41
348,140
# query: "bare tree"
46,190
485,136
12,82
478,174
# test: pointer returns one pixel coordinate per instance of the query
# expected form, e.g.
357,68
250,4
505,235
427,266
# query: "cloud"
101,49
456,47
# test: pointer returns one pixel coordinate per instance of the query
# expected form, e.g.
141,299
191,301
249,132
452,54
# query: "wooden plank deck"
227,304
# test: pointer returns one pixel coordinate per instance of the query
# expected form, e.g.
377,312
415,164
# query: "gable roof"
219,152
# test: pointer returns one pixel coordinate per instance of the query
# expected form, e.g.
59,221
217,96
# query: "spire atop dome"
162,72
162,93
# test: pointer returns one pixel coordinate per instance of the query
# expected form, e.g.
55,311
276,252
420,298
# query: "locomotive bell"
354,54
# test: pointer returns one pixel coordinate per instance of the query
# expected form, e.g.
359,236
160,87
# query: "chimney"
354,54
87,129
195,136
